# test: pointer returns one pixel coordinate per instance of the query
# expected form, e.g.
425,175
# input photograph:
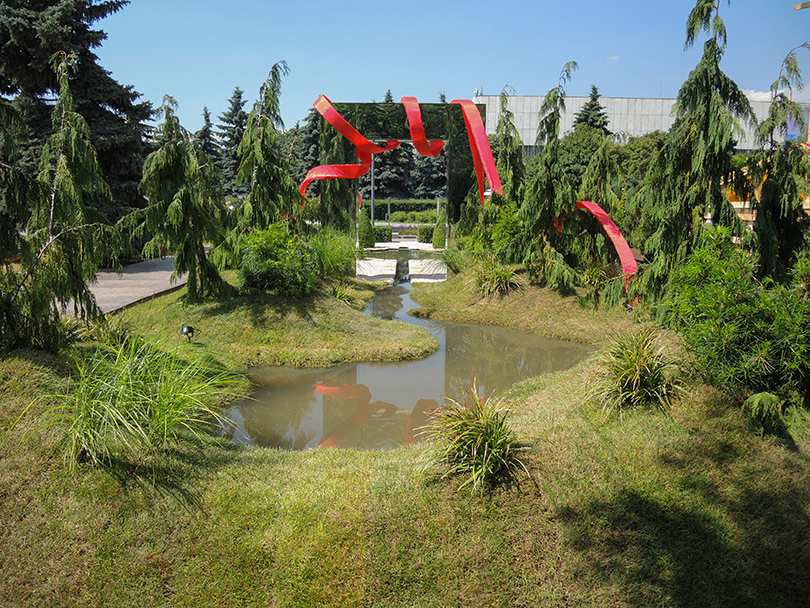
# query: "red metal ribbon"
629,265
479,146
417,128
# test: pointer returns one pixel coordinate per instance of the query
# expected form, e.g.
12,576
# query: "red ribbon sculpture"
628,261
479,144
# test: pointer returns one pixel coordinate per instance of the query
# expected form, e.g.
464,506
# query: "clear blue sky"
197,51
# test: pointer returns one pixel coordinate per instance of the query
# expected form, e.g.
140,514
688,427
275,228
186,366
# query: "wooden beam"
801,5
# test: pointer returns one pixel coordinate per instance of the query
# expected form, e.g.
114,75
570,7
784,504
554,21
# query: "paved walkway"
136,282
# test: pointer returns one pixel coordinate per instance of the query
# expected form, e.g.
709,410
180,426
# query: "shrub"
365,231
454,258
275,260
473,439
766,412
440,232
635,371
131,398
424,234
745,337
492,278
383,234
333,253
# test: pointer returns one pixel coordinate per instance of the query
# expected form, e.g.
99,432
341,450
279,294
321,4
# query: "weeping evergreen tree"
337,195
64,245
273,194
186,207
782,167
685,183
550,201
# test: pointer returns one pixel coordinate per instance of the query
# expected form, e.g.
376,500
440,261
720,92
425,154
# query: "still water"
380,405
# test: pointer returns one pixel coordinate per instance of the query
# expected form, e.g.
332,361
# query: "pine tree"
684,184
31,31
593,114
393,170
230,132
64,246
186,209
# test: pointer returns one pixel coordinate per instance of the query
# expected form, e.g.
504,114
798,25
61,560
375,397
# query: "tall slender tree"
204,138
593,114
186,207
685,184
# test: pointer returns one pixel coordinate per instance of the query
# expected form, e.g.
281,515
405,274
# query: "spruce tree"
204,138
593,114
186,208
31,31
230,132
392,170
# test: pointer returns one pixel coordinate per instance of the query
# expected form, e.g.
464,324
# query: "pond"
381,405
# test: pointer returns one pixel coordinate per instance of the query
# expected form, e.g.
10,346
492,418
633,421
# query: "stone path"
427,271
373,269
136,282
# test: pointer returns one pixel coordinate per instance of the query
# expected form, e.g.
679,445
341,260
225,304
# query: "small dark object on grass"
187,331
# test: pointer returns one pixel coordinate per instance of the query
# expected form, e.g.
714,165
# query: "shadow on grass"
727,524
263,308
175,473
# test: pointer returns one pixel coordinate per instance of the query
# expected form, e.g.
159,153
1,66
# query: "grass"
686,510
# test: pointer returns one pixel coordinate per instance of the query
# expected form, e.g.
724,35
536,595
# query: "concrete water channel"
381,405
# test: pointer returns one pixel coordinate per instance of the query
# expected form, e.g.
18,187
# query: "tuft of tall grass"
635,371
473,440
334,253
493,278
131,398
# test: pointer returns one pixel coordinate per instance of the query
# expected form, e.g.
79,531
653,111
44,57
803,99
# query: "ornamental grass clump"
473,440
493,278
635,372
132,398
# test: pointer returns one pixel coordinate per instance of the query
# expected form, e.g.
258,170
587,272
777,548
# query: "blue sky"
198,51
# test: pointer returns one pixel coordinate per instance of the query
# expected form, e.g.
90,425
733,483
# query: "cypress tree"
230,132
31,31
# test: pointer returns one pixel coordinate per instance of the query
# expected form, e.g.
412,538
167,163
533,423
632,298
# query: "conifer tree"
684,185
550,200
31,31
393,169
186,209
230,132
508,149
204,138
782,168
64,246
593,114
273,193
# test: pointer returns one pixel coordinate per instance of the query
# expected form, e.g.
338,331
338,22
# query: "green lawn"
689,510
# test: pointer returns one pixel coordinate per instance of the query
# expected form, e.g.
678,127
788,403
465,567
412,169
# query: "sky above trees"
199,51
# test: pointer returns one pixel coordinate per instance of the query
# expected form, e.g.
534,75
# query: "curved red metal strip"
417,128
479,146
333,117
335,172
629,266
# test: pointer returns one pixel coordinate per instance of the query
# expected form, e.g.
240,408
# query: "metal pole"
372,189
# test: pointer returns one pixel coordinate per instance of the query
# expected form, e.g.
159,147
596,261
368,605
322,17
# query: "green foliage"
507,147
576,149
454,258
186,208
230,132
130,399
333,253
278,261
424,234
63,246
745,337
365,231
635,372
473,440
414,217
493,278
440,232
592,114
383,234
766,412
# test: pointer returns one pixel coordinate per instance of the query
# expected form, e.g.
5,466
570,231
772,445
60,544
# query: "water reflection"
380,405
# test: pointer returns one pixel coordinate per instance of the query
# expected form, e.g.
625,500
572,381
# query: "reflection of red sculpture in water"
366,409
